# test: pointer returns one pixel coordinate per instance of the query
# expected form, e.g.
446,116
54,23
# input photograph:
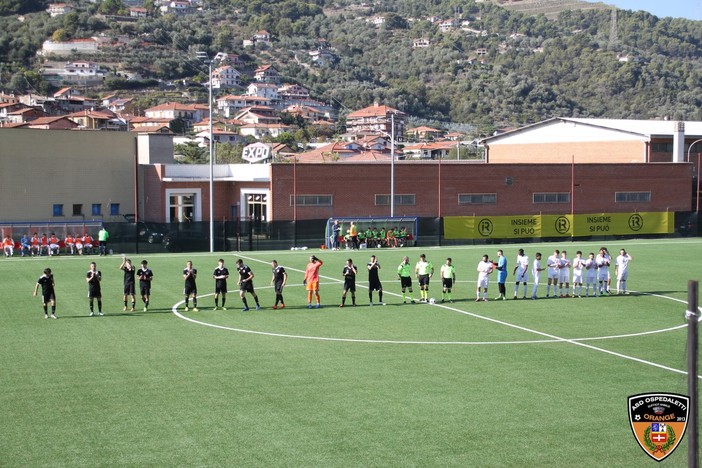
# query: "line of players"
145,276
595,270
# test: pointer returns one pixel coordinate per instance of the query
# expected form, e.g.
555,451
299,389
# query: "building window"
632,197
400,199
114,209
662,147
97,209
181,207
77,209
477,198
58,210
312,200
551,197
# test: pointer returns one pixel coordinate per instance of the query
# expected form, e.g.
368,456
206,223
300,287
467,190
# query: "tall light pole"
203,56
697,209
392,165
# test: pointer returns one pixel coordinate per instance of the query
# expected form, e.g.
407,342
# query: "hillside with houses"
295,74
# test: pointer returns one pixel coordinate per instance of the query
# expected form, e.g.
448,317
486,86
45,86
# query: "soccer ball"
432,300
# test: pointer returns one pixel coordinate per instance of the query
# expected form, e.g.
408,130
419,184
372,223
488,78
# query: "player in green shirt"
404,272
424,271
448,276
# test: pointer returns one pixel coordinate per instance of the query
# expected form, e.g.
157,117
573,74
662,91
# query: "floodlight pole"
392,165
211,161
205,58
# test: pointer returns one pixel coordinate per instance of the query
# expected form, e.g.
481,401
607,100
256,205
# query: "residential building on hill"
375,119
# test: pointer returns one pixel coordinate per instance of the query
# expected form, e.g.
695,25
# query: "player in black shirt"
280,277
190,289
246,284
48,294
374,280
145,276
129,285
349,274
220,275
93,278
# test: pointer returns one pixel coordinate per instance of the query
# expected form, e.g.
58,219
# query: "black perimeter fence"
145,237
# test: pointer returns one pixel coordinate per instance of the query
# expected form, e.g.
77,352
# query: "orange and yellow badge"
658,421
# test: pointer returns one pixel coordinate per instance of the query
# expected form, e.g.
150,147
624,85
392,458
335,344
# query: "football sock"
45,308
216,302
243,299
194,301
99,305
343,300
353,299
53,309
187,301
380,296
224,299
91,305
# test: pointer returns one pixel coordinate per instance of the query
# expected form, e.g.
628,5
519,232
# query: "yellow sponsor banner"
459,227
595,224
492,227
556,225
603,224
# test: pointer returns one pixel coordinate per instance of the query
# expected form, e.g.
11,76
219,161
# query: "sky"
690,9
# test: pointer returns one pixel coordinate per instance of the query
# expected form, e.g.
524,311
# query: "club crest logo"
658,421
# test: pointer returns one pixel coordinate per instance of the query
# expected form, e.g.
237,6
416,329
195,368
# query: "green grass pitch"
503,383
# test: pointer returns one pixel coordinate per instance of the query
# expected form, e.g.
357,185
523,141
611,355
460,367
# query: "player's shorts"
406,281
375,285
591,278
129,289
522,276
246,286
278,287
447,282
553,274
602,274
537,278
483,281
54,246
188,290
564,276
46,298
577,277
145,289
312,286
220,287
350,284
94,292
623,275
423,280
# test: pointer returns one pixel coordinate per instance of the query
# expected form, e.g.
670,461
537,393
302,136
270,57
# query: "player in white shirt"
485,267
603,260
590,275
552,263
621,269
564,274
536,273
521,272
578,270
